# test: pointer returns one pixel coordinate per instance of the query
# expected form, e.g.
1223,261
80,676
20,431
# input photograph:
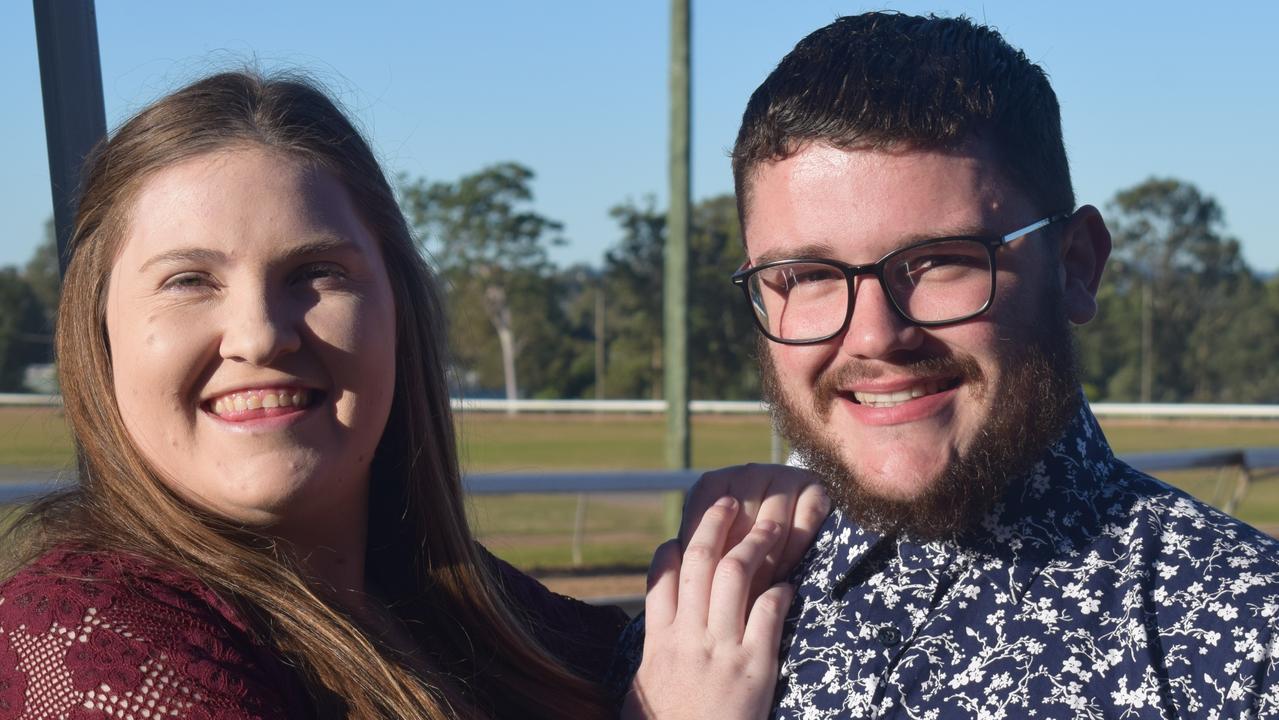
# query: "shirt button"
888,636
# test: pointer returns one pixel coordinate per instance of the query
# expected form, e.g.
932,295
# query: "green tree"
721,334
43,275
1177,287
633,282
490,247
23,334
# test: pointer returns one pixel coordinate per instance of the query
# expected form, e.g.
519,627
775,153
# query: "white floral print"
1090,591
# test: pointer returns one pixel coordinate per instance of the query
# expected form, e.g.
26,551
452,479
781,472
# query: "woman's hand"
710,650
791,497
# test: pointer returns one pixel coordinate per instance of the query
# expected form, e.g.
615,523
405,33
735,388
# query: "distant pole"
675,285
600,369
74,117
1147,340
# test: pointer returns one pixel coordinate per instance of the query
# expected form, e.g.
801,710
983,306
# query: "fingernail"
768,526
727,501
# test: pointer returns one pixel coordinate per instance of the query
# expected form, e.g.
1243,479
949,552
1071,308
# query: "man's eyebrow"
826,250
812,250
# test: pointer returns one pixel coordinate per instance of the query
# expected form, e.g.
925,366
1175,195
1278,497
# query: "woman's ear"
1085,246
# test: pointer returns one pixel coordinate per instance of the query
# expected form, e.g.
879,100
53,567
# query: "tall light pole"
675,285
71,85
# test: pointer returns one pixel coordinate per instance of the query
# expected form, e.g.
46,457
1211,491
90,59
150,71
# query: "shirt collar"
1049,511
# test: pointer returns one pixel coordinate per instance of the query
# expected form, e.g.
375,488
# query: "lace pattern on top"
87,636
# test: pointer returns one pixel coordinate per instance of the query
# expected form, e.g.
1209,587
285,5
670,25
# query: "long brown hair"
481,661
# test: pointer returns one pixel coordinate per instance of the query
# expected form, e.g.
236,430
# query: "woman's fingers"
731,593
661,600
701,556
709,487
763,633
791,497
777,506
811,509
710,648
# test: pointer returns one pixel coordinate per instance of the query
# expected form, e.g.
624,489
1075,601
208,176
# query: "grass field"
533,531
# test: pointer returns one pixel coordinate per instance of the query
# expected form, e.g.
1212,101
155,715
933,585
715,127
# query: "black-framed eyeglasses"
802,301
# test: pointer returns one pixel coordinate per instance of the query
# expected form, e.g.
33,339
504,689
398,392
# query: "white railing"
29,400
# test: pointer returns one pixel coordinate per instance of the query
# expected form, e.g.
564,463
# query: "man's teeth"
257,399
883,400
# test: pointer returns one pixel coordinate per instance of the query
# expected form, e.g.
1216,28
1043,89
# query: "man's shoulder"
1190,565
1181,524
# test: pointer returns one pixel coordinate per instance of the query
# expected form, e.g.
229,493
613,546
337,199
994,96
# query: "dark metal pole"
74,115
675,285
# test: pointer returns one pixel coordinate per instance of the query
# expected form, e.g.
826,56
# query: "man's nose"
876,330
259,328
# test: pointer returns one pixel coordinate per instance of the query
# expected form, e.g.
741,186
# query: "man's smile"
918,389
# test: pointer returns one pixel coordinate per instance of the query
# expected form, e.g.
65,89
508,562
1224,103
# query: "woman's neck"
331,548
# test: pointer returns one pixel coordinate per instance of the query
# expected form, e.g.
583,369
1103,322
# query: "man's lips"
905,392
873,386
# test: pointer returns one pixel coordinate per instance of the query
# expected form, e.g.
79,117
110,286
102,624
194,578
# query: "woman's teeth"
884,400
244,401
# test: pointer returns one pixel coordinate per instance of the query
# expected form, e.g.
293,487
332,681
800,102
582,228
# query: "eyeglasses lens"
935,282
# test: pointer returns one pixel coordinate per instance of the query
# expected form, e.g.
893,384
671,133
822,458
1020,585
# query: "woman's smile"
244,405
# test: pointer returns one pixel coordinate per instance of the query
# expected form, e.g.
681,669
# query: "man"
915,258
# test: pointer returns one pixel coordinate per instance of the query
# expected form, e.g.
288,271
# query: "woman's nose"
259,328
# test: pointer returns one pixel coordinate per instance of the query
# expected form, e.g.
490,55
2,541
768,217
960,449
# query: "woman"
269,521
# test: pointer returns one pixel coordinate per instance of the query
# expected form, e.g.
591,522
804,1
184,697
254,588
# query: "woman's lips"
243,405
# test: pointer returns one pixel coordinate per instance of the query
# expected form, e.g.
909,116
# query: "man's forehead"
824,196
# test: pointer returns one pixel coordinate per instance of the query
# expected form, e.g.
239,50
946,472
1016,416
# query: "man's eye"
791,278
941,266
816,275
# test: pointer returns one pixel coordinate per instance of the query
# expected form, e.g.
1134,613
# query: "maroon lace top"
94,635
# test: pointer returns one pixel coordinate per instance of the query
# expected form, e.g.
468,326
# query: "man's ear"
1085,246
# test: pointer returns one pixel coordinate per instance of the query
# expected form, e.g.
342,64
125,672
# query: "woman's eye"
187,281
320,271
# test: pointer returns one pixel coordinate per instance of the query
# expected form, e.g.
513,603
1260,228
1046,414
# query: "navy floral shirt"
1090,591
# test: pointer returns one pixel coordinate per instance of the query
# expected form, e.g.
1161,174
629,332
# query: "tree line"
1182,317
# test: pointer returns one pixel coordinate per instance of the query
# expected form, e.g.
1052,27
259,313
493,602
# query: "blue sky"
577,91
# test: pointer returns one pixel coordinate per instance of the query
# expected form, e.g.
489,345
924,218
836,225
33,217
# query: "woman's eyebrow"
191,255
322,245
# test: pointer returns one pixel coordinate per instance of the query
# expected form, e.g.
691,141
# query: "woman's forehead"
239,203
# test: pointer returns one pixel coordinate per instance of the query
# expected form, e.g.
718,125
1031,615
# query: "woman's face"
252,332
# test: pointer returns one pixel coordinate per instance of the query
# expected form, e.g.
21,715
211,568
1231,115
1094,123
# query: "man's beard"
1037,398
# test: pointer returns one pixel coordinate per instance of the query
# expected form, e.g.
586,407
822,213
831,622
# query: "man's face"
914,428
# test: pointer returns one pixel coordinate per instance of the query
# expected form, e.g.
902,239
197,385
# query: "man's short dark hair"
892,81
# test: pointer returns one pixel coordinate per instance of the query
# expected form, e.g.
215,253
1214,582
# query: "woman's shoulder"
109,633
581,635
65,584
